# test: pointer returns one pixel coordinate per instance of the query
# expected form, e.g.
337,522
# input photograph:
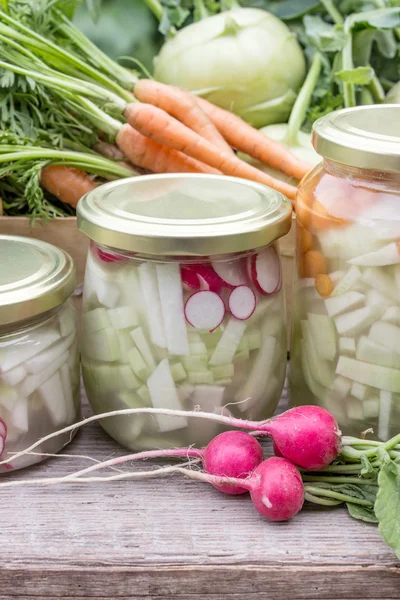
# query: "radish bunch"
231,285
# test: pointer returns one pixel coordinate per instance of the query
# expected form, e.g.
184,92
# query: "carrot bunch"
150,125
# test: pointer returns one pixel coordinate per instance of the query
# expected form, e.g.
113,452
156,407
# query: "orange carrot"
245,138
313,264
304,238
156,124
68,184
183,106
148,154
324,285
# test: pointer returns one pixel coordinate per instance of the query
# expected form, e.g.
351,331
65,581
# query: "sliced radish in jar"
242,302
3,429
265,271
205,310
232,272
190,280
208,278
2,444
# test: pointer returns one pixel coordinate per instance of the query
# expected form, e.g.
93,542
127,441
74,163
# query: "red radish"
265,271
309,436
3,429
190,280
205,310
276,489
2,444
232,272
107,256
277,452
232,454
208,278
242,302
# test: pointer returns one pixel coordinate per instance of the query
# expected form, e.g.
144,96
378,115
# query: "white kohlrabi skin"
244,60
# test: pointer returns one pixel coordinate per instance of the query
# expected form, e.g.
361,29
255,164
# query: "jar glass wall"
183,304
345,351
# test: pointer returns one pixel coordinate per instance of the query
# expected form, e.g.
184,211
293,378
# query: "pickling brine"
181,330
182,335
39,357
346,323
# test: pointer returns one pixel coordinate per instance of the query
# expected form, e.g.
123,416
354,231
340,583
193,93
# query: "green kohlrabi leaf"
357,76
325,37
94,9
387,505
288,9
361,513
388,18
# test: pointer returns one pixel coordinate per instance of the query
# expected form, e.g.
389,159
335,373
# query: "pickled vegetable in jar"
183,304
39,359
345,351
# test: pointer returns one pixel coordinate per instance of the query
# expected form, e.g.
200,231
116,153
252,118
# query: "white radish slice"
3,430
232,272
2,444
242,302
265,271
205,310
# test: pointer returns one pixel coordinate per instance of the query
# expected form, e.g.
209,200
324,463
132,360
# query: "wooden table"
176,539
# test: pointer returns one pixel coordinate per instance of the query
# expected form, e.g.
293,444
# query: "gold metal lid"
367,137
184,215
34,278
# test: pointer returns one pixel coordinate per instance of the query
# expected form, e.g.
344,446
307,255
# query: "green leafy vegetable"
361,513
387,505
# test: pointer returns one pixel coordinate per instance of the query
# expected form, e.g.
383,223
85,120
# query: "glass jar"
345,351
39,360
183,303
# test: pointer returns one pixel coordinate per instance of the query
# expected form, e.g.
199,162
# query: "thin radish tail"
145,455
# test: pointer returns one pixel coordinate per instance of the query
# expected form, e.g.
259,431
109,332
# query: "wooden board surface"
177,539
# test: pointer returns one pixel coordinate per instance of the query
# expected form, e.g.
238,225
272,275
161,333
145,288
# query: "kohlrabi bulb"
245,60
393,95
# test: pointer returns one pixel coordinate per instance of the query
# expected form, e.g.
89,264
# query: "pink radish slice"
108,256
265,270
2,444
232,272
205,310
3,429
190,280
242,302
208,278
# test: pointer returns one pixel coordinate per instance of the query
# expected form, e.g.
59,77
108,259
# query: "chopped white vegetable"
343,303
139,367
52,394
15,375
256,385
392,315
323,334
354,409
388,255
102,345
44,359
172,308
67,320
347,282
95,320
149,287
164,395
374,353
347,345
178,372
123,317
144,347
371,408
375,298
355,322
359,390
322,370
342,386
386,334
198,377
385,408
36,380
15,353
381,281
19,416
68,394
376,376
229,342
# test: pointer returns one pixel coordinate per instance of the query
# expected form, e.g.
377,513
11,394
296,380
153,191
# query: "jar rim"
366,137
184,214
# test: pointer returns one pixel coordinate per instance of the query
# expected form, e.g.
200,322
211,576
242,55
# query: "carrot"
245,138
313,264
322,219
304,238
68,184
156,124
148,154
183,106
324,285
108,150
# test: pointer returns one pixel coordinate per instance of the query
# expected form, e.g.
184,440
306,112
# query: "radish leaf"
387,505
